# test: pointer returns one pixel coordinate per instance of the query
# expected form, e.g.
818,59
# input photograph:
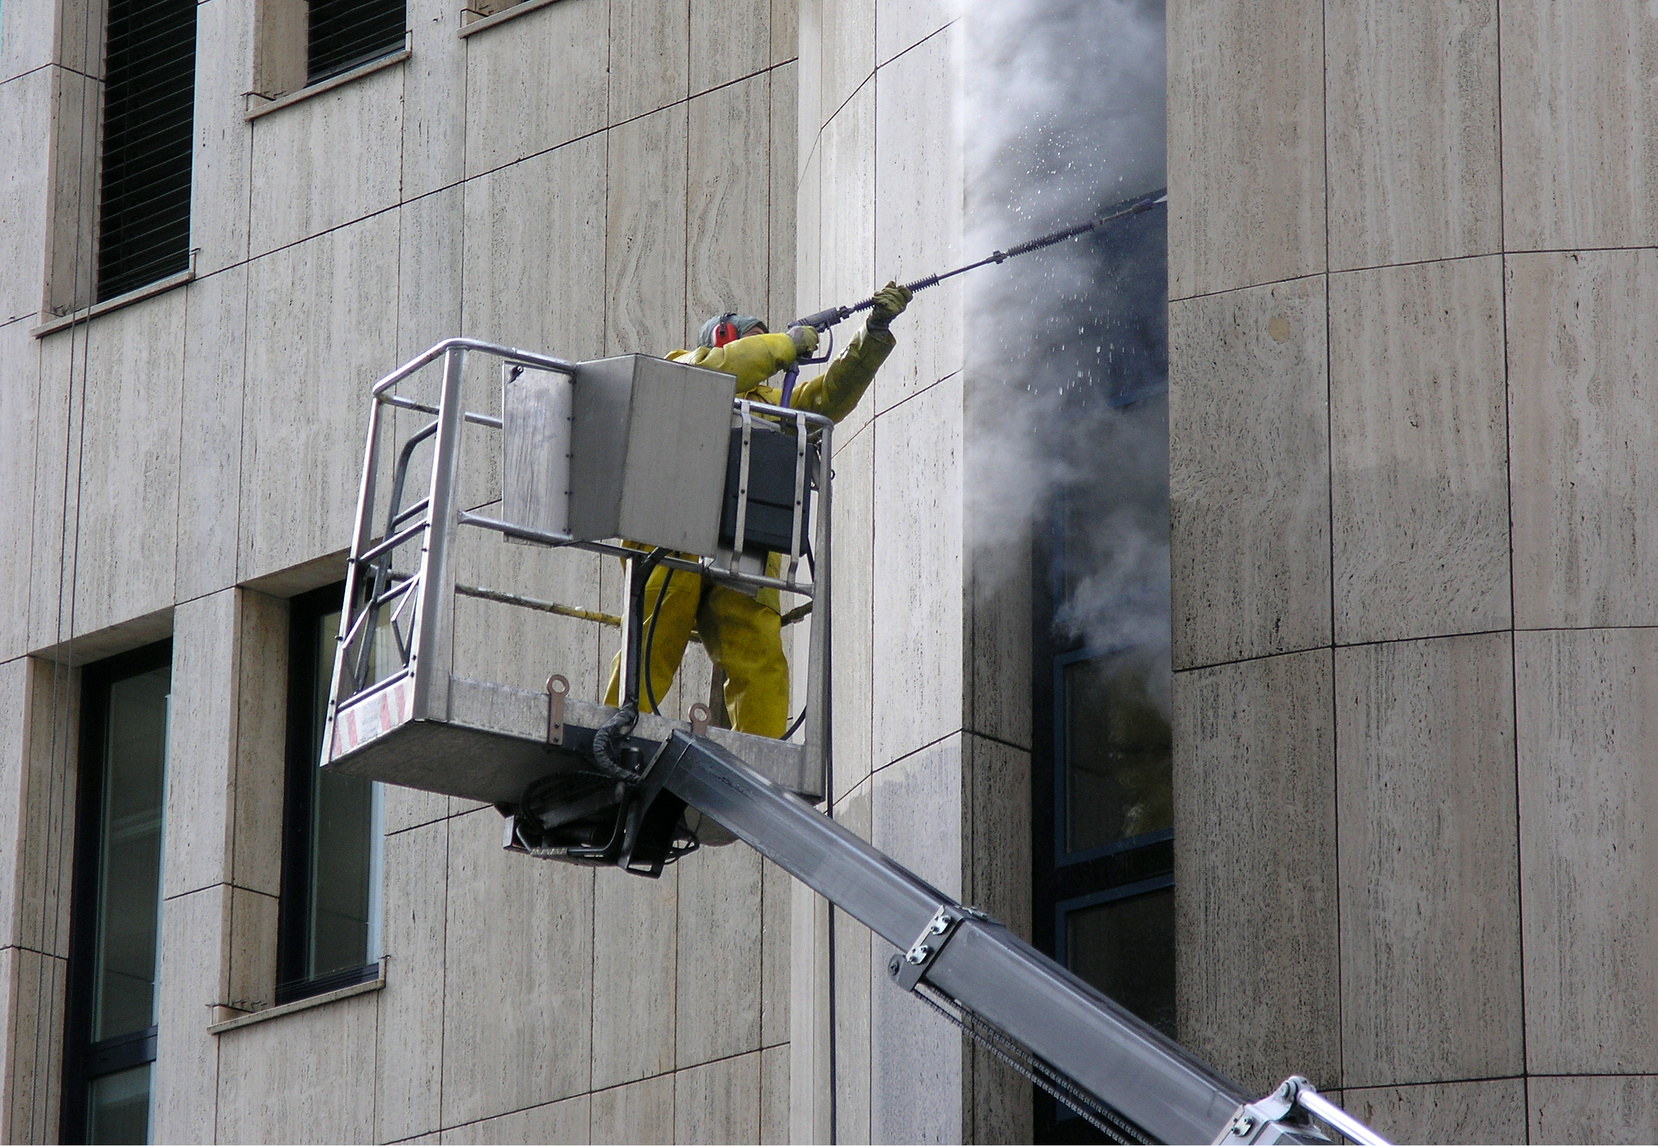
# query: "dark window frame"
305,661
84,1061
342,35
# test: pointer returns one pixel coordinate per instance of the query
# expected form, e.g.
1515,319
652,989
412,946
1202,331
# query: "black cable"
650,642
795,725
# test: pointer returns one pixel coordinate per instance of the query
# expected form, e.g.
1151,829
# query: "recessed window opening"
116,908
344,34
148,137
329,932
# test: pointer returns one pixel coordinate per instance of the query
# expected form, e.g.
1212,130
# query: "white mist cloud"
1064,116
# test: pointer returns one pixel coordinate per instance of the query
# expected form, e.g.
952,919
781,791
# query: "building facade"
1348,661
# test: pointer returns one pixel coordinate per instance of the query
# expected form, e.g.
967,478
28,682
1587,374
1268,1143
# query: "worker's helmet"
727,327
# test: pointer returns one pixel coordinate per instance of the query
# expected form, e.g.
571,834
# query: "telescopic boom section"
1152,1088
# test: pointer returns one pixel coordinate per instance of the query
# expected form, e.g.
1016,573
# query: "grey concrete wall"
1411,429
587,177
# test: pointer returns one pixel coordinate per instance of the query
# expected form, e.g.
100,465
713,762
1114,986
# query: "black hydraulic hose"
608,739
796,725
824,319
650,643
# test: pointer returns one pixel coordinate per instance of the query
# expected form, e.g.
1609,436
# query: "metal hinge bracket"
909,968
557,689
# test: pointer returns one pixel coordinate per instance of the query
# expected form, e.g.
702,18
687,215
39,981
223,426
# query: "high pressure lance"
825,320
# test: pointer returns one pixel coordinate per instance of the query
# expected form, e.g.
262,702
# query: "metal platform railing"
395,653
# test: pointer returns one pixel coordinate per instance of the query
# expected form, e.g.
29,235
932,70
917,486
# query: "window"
149,116
345,33
1103,807
329,931
116,907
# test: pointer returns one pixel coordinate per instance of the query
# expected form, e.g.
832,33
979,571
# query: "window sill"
478,23
329,84
160,286
321,1000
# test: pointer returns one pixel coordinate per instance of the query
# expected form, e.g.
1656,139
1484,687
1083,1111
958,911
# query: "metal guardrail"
395,624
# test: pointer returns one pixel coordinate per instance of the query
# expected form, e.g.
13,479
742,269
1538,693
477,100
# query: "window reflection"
1117,768
1125,947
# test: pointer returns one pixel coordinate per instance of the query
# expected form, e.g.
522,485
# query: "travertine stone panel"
785,30
1580,168
853,609
847,47
319,334
719,1102
901,24
1428,866
846,227
812,111
429,272
1580,362
919,594
774,1096
261,745
407,808
516,105
411,1005
785,102
51,729
645,235
650,57
1491,1110
808,286
250,973
194,933
1254,743
224,138
434,128
19,386
719,956
640,1112
305,1077
730,39
728,209
1249,208
918,223
1249,477
327,161
56,427
26,110
1605,1109
14,768
553,205
201,744
996,795
916,1065
1588,729
1419,474
850,1015
35,988
210,422
26,39
811,1022
564,1121
635,969
776,927
997,696
538,994
71,271
915,1057
1414,167
129,455
917,813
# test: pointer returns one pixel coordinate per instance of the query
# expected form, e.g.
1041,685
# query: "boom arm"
982,968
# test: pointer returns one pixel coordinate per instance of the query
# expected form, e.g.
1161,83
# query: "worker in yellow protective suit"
743,633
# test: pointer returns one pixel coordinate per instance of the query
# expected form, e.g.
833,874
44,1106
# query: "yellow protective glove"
890,302
805,340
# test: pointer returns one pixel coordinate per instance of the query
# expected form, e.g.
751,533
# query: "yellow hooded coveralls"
743,634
